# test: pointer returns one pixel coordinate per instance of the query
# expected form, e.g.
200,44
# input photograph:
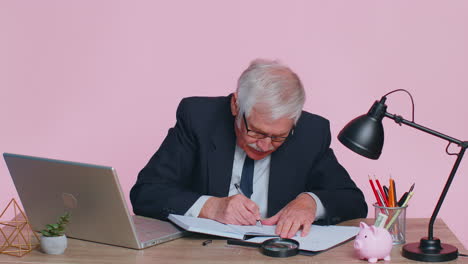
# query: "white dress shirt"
260,186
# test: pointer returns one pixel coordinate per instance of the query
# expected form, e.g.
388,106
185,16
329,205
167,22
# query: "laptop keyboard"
148,228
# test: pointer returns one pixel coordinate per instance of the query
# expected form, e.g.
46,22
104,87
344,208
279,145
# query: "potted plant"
53,239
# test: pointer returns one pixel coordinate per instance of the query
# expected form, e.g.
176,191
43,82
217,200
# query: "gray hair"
273,87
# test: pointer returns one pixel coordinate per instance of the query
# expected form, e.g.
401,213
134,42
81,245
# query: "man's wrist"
307,198
195,210
208,209
320,211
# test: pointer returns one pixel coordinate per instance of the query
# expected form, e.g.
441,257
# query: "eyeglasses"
260,135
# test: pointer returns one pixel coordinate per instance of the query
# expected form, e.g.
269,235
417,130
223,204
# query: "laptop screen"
91,193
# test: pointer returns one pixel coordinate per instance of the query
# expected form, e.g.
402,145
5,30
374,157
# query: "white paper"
320,237
253,229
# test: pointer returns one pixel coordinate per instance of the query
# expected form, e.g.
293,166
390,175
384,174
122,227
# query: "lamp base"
430,250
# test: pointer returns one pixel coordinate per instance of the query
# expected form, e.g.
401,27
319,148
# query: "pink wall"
99,81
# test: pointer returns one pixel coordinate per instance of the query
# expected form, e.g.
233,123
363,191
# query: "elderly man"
248,156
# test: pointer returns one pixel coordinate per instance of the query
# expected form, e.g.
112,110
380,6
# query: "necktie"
246,184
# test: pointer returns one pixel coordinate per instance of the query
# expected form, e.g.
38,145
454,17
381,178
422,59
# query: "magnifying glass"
280,247
273,247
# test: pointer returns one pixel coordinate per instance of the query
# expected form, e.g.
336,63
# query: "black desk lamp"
365,136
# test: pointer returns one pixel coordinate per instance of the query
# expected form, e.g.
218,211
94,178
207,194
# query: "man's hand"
236,210
299,213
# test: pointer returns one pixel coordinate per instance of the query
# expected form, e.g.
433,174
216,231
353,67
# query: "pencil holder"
395,223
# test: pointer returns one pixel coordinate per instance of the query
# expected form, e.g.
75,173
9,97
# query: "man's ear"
234,104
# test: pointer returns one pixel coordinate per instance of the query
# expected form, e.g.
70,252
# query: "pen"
403,197
259,223
207,242
395,216
385,188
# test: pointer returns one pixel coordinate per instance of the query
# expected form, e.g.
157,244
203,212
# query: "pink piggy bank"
373,243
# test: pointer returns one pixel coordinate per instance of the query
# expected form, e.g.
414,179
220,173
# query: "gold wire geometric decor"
16,235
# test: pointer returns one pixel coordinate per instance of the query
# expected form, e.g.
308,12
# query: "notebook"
211,227
91,193
320,238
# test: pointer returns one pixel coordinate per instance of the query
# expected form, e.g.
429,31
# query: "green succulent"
57,229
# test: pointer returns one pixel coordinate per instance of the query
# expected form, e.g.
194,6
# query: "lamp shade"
364,134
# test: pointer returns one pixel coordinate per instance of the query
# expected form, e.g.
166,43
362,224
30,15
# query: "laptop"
92,194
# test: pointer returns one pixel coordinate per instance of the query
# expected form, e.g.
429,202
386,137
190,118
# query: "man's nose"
264,144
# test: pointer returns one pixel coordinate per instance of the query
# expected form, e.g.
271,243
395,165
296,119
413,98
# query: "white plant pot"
54,245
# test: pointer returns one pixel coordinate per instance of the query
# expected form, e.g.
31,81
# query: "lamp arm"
444,192
462,144
398,119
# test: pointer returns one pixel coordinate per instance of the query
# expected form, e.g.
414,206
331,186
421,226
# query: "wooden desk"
190,250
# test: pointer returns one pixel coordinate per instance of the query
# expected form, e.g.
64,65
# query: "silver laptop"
91,193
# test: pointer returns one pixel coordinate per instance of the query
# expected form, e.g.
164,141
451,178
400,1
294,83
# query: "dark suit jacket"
196,158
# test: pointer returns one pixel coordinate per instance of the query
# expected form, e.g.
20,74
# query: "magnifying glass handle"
242,243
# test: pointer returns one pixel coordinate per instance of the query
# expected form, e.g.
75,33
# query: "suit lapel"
221,157
279,171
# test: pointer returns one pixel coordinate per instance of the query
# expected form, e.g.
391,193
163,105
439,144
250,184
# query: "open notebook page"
211,227
320,237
